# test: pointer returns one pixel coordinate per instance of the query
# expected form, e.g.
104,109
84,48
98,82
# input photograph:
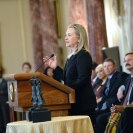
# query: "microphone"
52,55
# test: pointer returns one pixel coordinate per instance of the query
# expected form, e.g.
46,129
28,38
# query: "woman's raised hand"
51,62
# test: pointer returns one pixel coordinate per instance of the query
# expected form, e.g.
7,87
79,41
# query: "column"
96,28
44,31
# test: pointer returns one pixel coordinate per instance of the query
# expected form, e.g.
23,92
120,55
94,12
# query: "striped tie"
107,86
127,98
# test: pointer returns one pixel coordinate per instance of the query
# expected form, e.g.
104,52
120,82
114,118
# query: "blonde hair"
81,33
100,66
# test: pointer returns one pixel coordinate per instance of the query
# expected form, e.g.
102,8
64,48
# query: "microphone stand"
44,62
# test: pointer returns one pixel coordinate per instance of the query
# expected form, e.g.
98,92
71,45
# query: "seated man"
125,95
114,80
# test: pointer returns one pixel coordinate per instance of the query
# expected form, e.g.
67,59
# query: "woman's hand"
52,62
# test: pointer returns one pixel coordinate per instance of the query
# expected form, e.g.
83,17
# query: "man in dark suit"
4,108
125,96
114,81
126,121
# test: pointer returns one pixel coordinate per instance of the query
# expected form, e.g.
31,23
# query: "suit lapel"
112,81
68,63
128,84
131,95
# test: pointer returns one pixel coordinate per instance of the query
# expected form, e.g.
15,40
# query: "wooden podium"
58,97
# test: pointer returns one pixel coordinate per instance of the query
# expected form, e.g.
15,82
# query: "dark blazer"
77,75
126,122
3,91
127,85
116,81
102,120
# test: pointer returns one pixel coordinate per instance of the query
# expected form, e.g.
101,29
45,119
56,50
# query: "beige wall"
15,35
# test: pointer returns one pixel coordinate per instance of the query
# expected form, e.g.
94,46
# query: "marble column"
44,30
96,28
90,13
77,11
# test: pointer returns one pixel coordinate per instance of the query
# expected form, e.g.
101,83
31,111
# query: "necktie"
107,86
104,106
127,98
